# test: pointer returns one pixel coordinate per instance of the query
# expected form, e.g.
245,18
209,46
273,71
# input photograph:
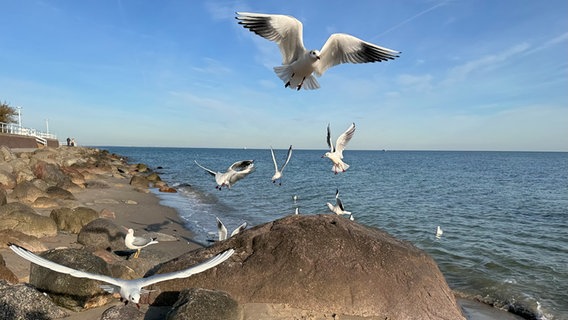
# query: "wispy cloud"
212,67
549,43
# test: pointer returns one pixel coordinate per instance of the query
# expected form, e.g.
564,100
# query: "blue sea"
504,214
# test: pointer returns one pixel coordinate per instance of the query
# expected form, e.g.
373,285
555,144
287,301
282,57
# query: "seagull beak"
138,306
318,57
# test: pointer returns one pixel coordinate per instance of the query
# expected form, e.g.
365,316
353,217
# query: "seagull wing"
28,255
213,173
141,241
221,229
343,139
241,165
339,203
274,160
212,262
240,228
344,48
328,139
286,31
238,175
288,156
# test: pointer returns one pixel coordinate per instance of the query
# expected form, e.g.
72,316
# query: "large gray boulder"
20,217
68,291
5,273
31,243
203,304
73,220
323,263
21,301
27,192
102,234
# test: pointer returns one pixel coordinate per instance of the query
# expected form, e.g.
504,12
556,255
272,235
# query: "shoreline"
143,211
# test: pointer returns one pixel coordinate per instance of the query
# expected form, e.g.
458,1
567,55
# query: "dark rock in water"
324,263
68,291
203,304
102,234
5,273
20,217
21,301
73,220
122,312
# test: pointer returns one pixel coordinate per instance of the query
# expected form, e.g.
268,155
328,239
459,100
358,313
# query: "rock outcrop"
203,304
324,263
21,301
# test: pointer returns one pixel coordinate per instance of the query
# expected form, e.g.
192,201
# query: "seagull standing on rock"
137,243
130,290
335,153
298,63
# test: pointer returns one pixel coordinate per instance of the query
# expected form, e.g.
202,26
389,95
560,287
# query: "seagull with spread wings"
298,63
278,172
222,230
130,290
335,153
338,207
234,173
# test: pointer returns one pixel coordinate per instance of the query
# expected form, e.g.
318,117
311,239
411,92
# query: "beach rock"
102,234
153,177
3,196
42,185
121,312
20,217
21,301
167,189
56,192
31,243
45,203
6,154
27,192
141,167
5,273
96,184
203,304
68,291
7,180
73,220
49,172
139,182
324,263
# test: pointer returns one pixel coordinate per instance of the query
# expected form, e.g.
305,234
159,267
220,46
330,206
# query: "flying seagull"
298,63
338,207
137,243
223,230
278,172
234,173
335,153
130,290
439,232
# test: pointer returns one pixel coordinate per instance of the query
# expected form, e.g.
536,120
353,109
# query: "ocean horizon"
504,213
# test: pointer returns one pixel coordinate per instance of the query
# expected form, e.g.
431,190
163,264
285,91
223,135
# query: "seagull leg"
136,254
301,84
287,84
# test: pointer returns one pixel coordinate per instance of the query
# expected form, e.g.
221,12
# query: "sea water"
504,215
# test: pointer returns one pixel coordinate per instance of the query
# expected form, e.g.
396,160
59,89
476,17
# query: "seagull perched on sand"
137,243
130,290
298,63
234,173
223,230
278,172
338,207
335,153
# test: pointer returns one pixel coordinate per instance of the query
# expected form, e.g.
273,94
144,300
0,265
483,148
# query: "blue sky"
473,74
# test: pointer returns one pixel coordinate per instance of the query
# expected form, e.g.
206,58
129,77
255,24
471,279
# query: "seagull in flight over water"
234,173
298,63
137,243
338,207
335,153
222,230
130,290
278,172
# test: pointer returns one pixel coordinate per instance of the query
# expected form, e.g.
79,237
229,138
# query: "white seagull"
338,207
137,243
335,153
234,173
278,172
298,63
223,230
130,290
439,232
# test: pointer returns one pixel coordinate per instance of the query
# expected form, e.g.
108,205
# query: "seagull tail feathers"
310,83
284,72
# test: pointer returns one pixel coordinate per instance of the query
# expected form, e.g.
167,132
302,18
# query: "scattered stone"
106,201
121,312
107,214
96,184
20,217
23,240
27,192
59,193
68,291
139,182
5,273
7,180
45,203
130,202
73,220
203,304
102,234
167,189
21,301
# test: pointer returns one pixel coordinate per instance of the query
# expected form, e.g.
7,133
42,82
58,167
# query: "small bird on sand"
278,172
335,153
338,207
223,230
129,290
234,173
439,232
137,243
298,63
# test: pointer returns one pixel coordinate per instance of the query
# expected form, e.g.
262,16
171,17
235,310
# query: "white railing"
16,129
